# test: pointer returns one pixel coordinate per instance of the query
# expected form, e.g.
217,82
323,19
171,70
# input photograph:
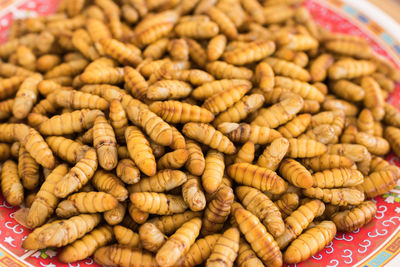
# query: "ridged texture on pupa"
337,177
378,182
223,100
11,186
67,231
288,69
45,201
179,243
125,256
217,211
259,239
206,134
225,249
253,52
310,242
163,180
209,89
169,224
140,150
79,100
200,250
258,177
68,123
78,176
355,218
86,202
158,203
178,112
295,173
242,133
87,245
223,70
350,68
305,148
299,220
213,171
336,196
66,149
105,143
279,113
261,206
240,109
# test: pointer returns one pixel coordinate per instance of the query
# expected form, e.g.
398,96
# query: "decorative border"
385,254
8,259
387,39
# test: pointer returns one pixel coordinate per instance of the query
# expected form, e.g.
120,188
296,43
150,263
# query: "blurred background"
391,7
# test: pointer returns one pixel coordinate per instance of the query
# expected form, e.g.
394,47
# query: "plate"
374,245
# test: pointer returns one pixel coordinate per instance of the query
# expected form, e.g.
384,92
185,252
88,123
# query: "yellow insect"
216,47
200,250
364,213
309,243
336,196
288,69
105,143
11,186
223,70
350,68
299,220
178,112
258,177
225,249
259,239
217,211
206,134
242,133
261,206
273,154
179,243
295,173
158,203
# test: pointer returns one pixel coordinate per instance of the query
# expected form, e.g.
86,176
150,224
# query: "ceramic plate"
374,245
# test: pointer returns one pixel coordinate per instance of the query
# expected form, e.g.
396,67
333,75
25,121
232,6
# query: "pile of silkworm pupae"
192,132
